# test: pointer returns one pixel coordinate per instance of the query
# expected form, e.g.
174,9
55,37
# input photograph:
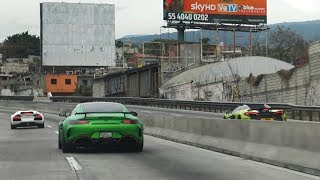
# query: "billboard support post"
123,55
234,42
267,43
217,46
201,46
181,30
250,42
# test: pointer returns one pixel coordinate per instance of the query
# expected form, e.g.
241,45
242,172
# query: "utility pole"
201,49
122,54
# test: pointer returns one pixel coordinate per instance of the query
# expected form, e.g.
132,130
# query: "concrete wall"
292,145
99,89
301,88
141,82
14,67
7,92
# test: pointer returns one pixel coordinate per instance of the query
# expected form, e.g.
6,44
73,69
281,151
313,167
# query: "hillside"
309,30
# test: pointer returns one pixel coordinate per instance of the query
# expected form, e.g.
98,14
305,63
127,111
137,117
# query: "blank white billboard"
74,34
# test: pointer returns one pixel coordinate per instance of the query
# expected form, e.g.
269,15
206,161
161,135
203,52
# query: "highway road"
32,154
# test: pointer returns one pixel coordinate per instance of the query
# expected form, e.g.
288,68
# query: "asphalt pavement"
33,154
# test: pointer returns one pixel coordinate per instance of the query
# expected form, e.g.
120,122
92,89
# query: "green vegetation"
21,45
287,45
83,90
255,81
286,75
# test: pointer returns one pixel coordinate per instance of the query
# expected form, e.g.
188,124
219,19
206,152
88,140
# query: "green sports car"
256,112
97,124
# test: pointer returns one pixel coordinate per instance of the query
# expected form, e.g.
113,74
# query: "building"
20,84
139,82
61,84
18,76
123,54
139,60
20,65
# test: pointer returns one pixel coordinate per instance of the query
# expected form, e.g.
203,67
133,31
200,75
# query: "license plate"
267,119
105,134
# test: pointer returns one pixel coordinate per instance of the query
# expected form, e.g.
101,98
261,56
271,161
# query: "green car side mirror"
133,113
64,114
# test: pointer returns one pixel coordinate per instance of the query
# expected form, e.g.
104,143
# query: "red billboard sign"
217,11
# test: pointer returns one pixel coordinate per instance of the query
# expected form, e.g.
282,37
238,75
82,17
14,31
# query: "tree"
119,44
205,41
287,45
21,45
83,90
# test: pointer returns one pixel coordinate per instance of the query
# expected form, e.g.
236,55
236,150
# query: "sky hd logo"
228,8
203,7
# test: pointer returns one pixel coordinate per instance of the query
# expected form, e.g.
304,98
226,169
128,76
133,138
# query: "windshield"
240,108
103,107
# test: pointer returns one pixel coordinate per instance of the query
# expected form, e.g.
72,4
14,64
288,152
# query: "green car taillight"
74,122
128,121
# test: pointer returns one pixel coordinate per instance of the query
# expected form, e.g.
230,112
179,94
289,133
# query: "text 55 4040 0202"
188,17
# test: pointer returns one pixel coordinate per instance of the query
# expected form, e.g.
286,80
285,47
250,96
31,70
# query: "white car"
27,118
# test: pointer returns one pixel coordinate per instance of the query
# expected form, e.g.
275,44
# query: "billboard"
74,34
216,11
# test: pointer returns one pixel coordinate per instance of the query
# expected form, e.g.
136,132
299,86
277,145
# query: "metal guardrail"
310,113
17,98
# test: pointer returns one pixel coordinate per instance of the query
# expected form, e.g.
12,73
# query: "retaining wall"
301,88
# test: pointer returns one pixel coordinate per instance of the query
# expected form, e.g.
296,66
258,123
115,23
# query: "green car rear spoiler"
124,113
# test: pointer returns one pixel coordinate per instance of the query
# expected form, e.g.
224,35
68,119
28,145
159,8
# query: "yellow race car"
256,112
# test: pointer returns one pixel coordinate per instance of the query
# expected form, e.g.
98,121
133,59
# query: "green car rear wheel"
59,142
67,148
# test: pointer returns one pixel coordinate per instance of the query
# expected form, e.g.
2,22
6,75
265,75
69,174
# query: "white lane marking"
74,164
49,126
57,132
178,115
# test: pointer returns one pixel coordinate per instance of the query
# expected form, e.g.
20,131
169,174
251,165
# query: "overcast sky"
138,16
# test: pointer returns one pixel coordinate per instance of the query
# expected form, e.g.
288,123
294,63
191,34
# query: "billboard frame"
105,59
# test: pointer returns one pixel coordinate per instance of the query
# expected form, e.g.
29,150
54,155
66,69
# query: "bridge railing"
310,113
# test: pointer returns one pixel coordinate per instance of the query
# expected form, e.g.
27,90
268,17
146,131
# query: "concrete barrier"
293,145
